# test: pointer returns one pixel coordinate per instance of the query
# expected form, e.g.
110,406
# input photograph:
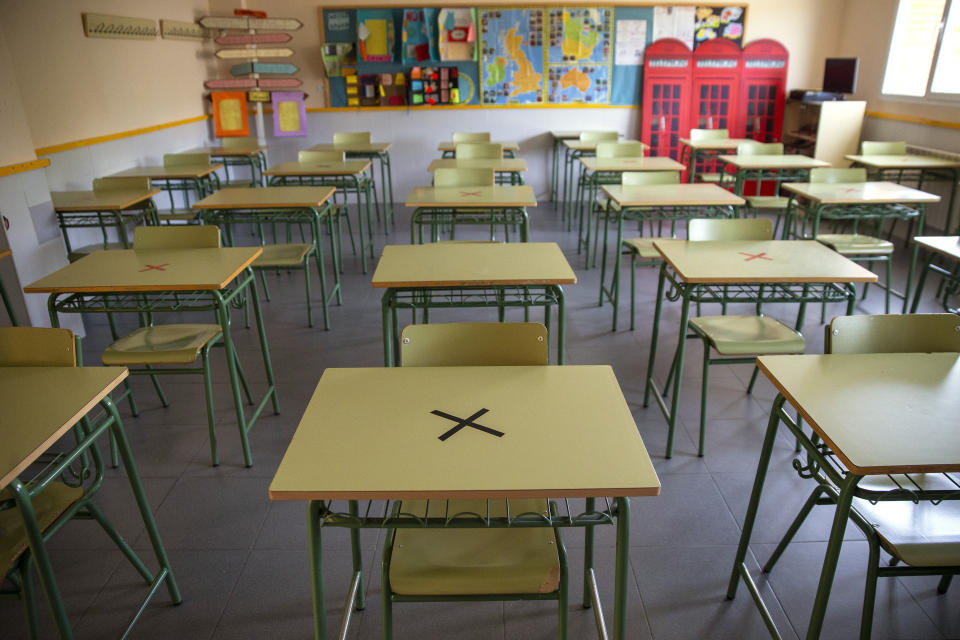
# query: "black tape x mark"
465,422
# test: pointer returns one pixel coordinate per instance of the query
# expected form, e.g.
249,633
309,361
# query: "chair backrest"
626,149
470,136
356,137
243,142
874,148
700,229
474,344
319,157
188,236
830,175
649,177
37,347
121,184
477,150
911,333
599,136
186,160
699,135
463,178
760,149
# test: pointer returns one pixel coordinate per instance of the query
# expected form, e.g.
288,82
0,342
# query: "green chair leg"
208,395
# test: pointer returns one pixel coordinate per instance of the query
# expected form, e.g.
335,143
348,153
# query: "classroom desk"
656,203
506,169
102,210
558,137
449,147
284,205
168,280
780,168
471,275
38,407
379,151
202,180
7,303
500,204
937,246
252,157
693,152
855,404
797,271
346,176
389,450
599,171
883,167
857,202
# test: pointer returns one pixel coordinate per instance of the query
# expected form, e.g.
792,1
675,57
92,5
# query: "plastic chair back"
627,149
244,142
912,333
188,236
318,157
873,148
599,136
463,178
700,229
186,160
37,347
358,137
471,137
760,149
474,344
833,176
649,177
478,150
121,184
699,135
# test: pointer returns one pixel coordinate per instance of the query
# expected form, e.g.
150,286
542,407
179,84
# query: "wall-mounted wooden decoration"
258,96
279,83
98,25
254,38
177,30
231,83
239,22
233,54
263,67
230,114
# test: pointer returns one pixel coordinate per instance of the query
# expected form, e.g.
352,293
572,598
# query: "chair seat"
282,255
742,335
464,561
709,177
856,244
86,250
767,202
921,535
161,344
49,505
642,247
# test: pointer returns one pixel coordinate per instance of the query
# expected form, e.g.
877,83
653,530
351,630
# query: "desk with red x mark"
492,206
755,272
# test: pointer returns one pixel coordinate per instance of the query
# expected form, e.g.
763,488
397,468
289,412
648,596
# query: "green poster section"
562,56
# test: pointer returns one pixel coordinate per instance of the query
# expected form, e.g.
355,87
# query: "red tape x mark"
155,267
755,256
470,193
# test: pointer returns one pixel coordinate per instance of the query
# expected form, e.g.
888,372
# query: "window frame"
929,97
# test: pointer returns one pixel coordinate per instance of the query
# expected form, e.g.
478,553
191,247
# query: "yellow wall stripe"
21,167
86,142
914,120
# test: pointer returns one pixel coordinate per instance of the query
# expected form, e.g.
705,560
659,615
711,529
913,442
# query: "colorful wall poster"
674,22
631,42
375,37
718,22
230,114
457,30
511,45
578,55
415,37
289,114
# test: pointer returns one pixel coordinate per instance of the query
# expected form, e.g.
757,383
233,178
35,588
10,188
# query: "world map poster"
512,56
578,55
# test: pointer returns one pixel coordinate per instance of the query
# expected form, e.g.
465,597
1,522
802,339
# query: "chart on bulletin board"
504,56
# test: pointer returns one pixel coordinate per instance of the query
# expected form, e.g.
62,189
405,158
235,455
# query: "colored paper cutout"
230,114
289,114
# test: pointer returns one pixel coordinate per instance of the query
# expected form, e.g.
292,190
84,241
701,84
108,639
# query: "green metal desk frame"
920,176
950,285
142,213
200,187
450,217
383,158
723,294
220,302
256,163
671,214
469,297
314,216
321,514
587,187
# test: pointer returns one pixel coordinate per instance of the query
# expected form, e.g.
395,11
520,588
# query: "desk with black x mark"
754,272
494,206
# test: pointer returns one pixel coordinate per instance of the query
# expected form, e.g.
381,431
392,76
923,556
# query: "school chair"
174,346
703,135
339,207
738,339
478,151
474,564
606,149
118,221
776,204
199,188
462,136
920,536
256,165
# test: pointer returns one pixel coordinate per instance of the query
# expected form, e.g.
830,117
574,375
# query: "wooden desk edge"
472,283
453,495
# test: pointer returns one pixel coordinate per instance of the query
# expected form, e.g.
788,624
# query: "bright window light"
946,73
912,47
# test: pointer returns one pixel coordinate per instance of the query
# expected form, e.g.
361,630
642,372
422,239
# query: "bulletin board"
506,56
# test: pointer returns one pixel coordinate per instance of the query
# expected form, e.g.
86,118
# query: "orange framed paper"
230,114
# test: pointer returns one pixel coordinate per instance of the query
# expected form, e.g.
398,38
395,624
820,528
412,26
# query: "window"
924,50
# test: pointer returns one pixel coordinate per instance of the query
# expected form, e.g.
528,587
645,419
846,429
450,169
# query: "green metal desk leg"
678,372
386,312
223,311
588,536
316,570
658,306
623,569
561,326
355,552
254,292
913,260
8,304
921,279
557,142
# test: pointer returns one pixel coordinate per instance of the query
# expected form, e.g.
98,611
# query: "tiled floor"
241,560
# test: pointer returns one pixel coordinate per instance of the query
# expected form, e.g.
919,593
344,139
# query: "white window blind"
914,42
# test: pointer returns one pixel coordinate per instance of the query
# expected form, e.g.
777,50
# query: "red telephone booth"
763,90
716,85
666,96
